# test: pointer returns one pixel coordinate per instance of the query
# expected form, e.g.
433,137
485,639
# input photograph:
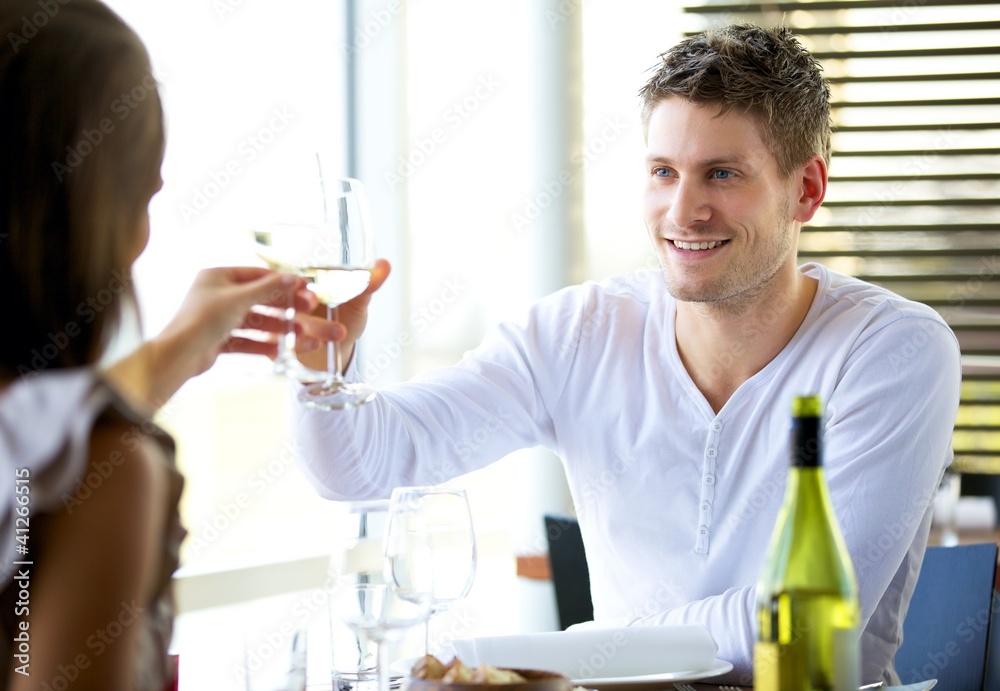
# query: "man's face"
719,214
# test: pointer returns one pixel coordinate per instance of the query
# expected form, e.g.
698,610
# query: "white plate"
404,665
621,683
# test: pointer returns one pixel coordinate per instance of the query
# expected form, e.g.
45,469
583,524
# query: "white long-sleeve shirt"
677,503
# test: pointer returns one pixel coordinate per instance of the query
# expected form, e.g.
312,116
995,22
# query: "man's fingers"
239,344
311,326
263,322
380,272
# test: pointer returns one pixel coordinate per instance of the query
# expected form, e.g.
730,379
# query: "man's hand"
352,316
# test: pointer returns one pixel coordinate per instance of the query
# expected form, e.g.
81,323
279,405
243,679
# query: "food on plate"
457,672
427,667
484,674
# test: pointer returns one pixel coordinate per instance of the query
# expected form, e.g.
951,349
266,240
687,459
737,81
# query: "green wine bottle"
807,596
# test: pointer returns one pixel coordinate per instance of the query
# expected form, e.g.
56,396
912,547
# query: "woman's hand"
219,301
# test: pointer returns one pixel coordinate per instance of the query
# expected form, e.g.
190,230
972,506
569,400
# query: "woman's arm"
218,302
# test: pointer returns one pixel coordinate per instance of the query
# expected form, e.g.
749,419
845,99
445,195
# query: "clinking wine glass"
286,247
343,272
430,547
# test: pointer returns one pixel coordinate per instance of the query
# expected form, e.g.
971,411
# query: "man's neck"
723,346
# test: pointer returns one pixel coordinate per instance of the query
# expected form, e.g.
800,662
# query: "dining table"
209,642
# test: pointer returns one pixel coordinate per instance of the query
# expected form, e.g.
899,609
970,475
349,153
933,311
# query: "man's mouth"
697,246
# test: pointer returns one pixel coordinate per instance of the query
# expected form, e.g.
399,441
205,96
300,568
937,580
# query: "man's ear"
812,180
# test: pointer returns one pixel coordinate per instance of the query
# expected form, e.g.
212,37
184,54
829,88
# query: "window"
244,85
912,203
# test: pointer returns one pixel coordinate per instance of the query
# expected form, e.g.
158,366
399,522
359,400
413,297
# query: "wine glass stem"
334,356
382,660
287,354
427,634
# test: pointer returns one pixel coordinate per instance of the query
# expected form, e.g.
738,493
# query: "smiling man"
668,396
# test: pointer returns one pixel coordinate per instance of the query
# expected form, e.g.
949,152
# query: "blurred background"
501,148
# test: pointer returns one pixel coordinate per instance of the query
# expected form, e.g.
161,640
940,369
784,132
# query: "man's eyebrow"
723,160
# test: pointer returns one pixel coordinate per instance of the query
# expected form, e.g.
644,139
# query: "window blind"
914,198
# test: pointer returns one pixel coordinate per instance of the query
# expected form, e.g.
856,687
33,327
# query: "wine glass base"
336,396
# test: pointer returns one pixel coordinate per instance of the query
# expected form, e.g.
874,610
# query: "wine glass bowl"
286,247
430,547
376,612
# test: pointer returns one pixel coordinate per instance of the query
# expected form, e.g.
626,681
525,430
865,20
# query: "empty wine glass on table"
430,547
376,612
342,273
358,530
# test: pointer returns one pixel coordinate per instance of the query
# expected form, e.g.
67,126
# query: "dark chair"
946,634
570,575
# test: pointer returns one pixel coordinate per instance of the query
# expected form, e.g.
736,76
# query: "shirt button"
703,530
716,426
705,506
712,453
709,479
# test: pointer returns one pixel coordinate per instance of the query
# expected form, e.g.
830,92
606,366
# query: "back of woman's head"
81,142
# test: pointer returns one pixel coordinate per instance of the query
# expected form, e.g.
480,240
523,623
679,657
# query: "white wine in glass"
343,274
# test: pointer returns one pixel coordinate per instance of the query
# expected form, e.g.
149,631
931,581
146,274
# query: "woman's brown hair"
81,143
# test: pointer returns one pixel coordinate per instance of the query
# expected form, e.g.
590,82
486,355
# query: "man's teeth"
696,245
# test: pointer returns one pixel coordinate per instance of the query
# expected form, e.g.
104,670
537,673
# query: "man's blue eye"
722,174
661,172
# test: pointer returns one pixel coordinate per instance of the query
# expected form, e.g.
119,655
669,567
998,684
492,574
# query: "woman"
89,528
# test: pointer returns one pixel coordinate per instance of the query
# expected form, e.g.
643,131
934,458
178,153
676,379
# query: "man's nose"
689,204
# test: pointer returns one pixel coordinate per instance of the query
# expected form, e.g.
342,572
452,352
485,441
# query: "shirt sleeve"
887,441
449,421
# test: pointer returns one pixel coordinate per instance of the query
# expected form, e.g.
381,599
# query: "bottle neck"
806,446
807,483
